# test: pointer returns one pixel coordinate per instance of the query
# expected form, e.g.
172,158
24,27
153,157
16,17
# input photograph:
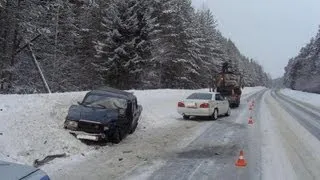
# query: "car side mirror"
79,103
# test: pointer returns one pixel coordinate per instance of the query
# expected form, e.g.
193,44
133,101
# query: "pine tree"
125,48
177,57
302,72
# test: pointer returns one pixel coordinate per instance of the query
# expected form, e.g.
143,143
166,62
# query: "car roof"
108,91
9,170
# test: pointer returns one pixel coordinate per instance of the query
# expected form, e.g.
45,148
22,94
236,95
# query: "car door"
220,103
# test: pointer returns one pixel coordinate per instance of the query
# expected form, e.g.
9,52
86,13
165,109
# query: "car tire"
215,114
116,136
133,129
228,112
186,117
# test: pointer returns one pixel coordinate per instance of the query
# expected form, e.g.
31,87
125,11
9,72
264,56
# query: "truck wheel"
215,114
186,117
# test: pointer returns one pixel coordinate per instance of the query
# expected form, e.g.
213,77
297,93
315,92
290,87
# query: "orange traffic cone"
241,162
250,120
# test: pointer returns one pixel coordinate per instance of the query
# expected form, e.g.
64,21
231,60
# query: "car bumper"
88,136
195,112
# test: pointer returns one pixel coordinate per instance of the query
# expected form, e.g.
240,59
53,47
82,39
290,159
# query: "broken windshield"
105,102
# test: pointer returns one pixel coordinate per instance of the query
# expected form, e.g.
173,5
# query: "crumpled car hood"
103,116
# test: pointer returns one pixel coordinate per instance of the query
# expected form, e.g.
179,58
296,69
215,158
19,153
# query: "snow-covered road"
212,154
283,142
278,146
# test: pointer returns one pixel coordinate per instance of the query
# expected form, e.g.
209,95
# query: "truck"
229,83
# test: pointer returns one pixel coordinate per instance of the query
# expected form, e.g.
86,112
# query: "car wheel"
215,114
116,136
186,117
228,112
133,129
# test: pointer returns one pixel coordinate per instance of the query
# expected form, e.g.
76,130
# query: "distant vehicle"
229,84
104,114
204,105
14,171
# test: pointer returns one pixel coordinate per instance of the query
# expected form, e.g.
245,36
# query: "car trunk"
194,103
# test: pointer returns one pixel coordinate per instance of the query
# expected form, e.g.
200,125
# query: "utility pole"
39,69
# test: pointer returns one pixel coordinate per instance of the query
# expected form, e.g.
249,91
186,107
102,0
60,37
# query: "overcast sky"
270,31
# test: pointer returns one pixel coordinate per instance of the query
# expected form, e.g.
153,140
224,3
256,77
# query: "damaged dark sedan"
104,114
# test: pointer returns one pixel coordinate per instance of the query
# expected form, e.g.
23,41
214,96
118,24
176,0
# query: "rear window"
203,96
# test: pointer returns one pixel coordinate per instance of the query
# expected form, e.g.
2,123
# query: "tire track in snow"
305,117
301,146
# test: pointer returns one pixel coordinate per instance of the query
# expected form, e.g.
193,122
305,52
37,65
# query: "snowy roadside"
310,98
31,127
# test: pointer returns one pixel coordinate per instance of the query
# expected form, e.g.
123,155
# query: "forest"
303,71
127,44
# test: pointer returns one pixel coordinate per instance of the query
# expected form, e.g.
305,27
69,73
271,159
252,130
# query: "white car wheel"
228,112
215,114
186,117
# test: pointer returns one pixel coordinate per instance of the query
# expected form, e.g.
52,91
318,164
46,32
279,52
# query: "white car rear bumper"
195,112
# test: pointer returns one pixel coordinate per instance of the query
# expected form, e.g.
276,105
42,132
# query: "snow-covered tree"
303,71
177,55
125,45
83,44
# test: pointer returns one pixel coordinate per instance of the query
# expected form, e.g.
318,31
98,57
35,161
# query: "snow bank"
32,125
310,98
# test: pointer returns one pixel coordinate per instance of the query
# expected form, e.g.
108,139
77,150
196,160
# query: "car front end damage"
92,125
87,130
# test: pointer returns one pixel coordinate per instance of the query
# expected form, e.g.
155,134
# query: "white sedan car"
204,105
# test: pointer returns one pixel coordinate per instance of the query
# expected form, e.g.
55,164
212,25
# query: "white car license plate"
191,105
87,137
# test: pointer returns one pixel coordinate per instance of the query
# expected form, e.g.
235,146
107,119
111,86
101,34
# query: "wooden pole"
39,69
